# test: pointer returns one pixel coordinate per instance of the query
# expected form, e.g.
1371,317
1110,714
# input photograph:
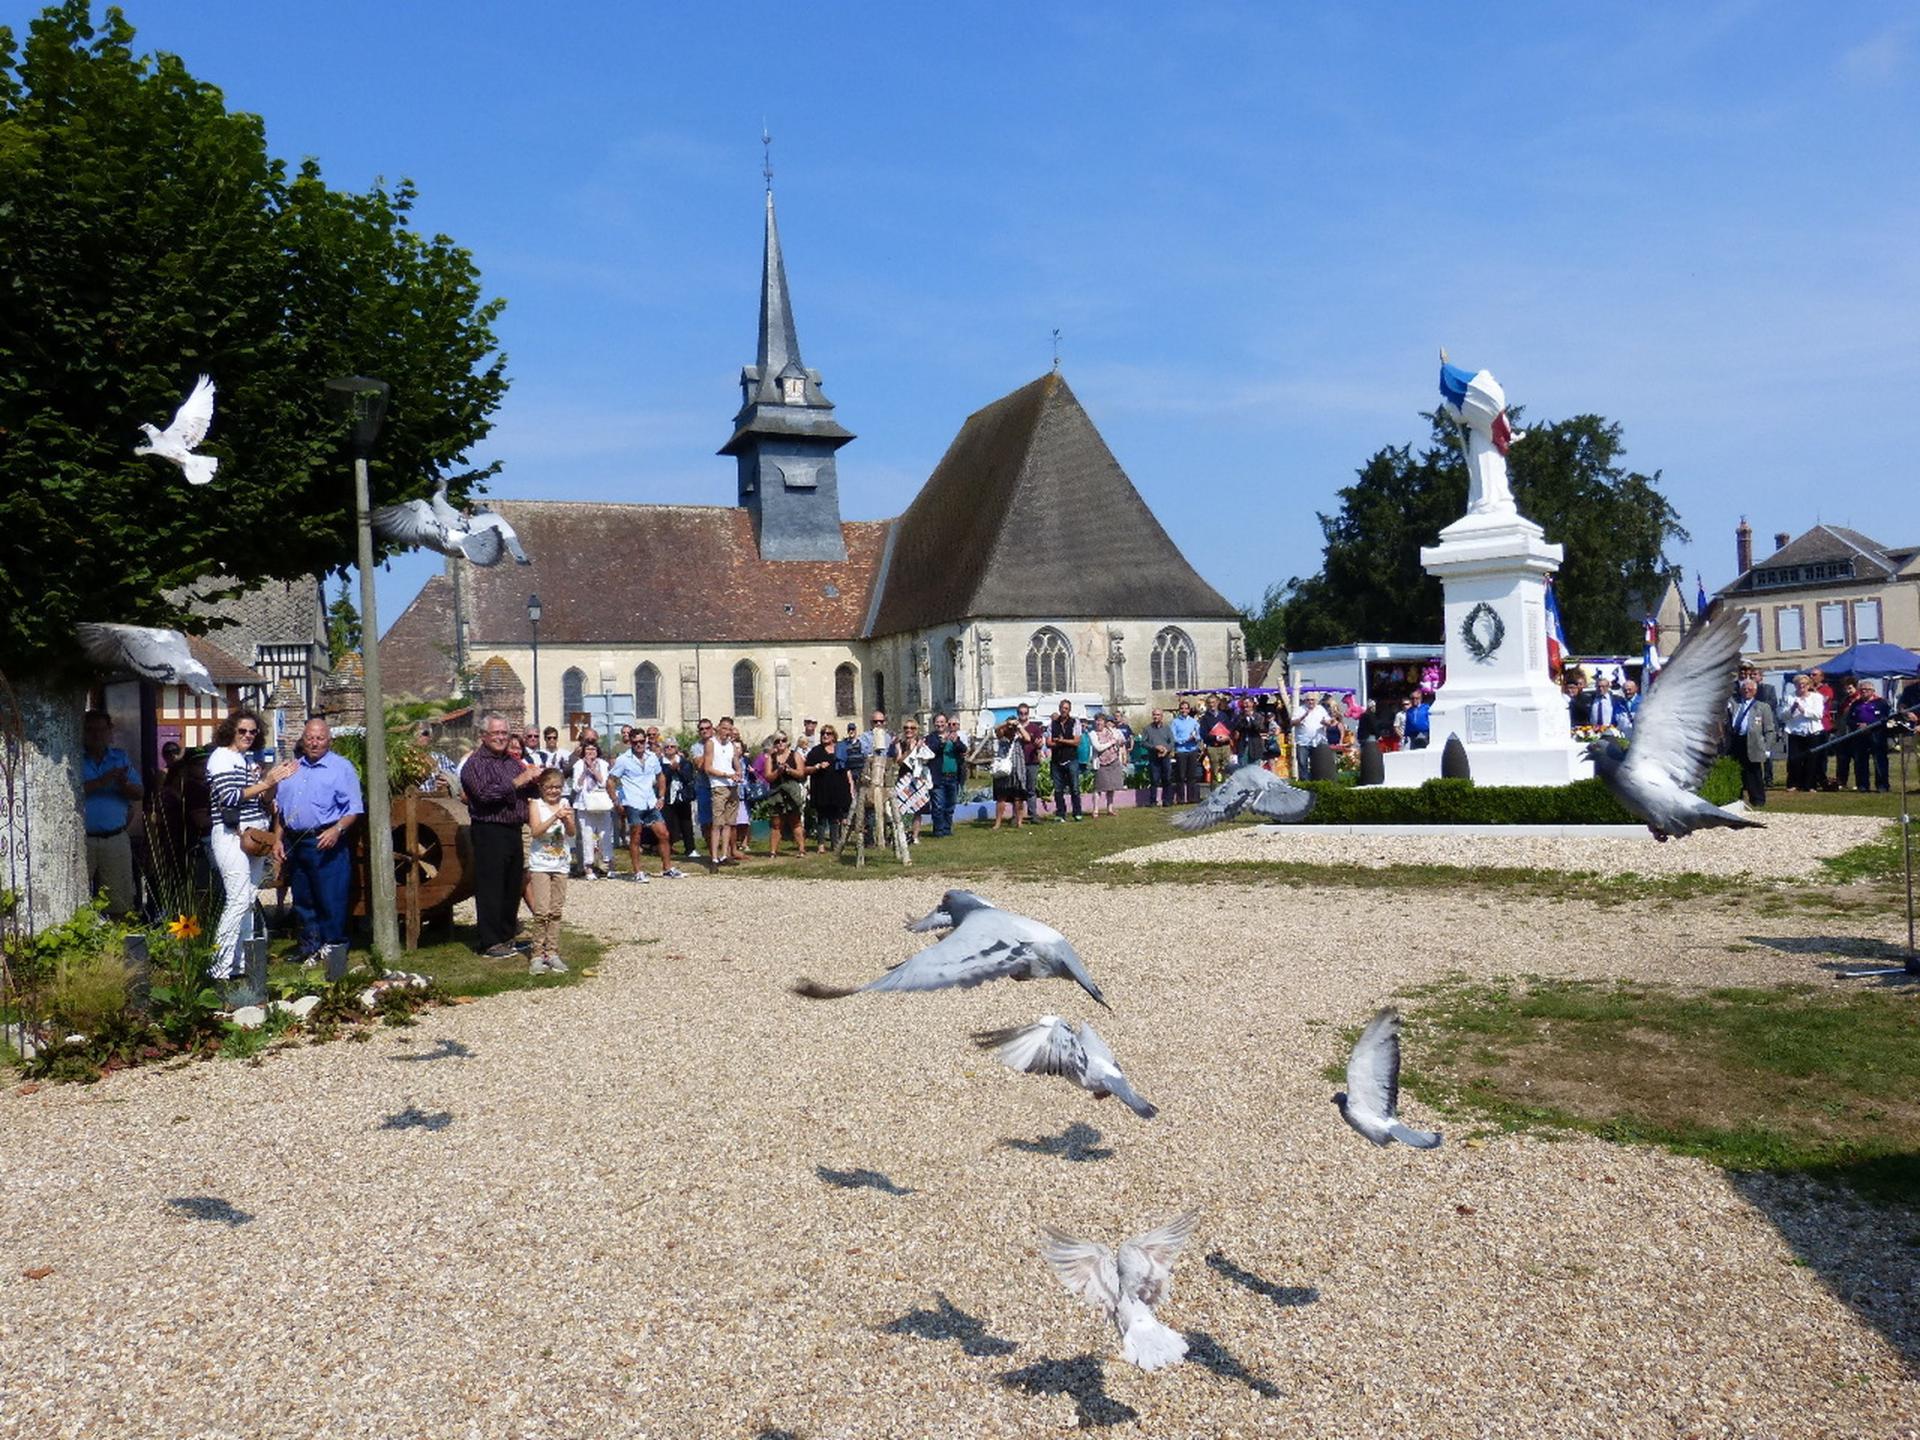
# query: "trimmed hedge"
1461,802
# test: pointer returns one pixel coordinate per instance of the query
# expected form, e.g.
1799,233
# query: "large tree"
149,237
1567,477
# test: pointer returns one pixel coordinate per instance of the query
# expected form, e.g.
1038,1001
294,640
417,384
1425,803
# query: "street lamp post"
533,619
364,402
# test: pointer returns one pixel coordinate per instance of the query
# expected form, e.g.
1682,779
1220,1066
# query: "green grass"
458,969
1784,1079
1849,802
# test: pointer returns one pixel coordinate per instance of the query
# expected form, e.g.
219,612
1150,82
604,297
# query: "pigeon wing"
1277,800
1046,1047
195,415
1373,1070
481,544
956,961
1062,954
1102,1068
1159,1248
1085,1267
411,523
1226,800
1676,731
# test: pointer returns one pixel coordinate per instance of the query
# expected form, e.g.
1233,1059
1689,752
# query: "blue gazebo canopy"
1874,658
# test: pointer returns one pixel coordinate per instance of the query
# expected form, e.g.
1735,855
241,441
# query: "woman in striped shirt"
240,792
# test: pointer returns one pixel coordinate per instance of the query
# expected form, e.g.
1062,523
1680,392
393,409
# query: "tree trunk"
47,857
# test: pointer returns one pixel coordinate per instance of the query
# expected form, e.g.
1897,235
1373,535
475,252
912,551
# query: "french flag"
1650,661
1467,390
1556,634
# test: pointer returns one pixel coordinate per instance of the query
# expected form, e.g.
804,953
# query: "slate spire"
779,345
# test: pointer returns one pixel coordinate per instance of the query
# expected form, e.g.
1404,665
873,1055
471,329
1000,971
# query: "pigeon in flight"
188,429
983,943
1050,1047
1676,736
1371,1101
1251,787
482,537
161,656
1127,1287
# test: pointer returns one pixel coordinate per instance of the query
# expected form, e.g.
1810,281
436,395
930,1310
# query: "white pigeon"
983,943
1676,735
1050,1047
1251,787
482,537
1371,1101
143,652
1128,1287
189,428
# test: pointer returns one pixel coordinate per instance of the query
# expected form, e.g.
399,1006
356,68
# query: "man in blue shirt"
317,806
110,787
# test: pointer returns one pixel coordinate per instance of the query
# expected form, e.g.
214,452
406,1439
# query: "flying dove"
1251,787
161,656
482,537
1370,1103
1675,738
1126,1288
189,428
983,943
1049,1046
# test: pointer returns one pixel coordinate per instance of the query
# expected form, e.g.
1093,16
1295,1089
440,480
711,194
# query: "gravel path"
666,1204
1785,850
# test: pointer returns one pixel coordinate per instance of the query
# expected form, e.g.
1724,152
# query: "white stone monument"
1493,565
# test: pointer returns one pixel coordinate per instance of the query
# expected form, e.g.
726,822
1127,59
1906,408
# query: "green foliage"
343,625
1461,802
150,237
408,761
1265,625
1566,476
39,958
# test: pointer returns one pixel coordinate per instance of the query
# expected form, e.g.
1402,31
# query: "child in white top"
551,821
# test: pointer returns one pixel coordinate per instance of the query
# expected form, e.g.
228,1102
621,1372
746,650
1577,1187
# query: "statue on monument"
1476,404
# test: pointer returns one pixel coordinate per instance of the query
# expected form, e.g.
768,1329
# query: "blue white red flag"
1556,635
1463,390
1650,661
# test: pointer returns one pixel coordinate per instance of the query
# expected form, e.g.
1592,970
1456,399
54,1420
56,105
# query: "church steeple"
784,435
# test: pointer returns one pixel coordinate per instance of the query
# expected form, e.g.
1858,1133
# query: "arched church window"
573,691
846,690
646,691
746,689
1049,661
1174,660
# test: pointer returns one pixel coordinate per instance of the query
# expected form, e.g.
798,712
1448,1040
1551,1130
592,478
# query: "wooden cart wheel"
442,857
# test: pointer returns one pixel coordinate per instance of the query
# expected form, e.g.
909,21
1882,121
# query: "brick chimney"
1780,539
1742,547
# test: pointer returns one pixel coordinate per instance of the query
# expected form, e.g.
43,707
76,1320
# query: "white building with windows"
1027,562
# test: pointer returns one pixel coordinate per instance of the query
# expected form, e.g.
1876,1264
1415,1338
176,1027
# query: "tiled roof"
224,668
416,653
1028,513
1823,545
664,575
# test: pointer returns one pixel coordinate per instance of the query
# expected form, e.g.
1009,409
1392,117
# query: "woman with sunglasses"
240,794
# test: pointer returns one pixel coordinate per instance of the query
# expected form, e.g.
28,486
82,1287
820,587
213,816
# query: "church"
1028,566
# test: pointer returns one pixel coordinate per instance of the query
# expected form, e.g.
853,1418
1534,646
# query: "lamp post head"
364,403
533,608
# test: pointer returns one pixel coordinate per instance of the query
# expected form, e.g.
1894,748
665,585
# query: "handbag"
1003,763
255,842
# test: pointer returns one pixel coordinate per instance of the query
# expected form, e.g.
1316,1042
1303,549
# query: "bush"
1461,802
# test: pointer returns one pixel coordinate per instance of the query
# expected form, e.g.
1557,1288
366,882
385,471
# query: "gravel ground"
1785,850
616,1215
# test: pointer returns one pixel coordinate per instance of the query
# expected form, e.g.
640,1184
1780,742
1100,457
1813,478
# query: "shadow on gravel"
776,1435
1078,1142
861,1179
414,1118
208,1207
1841,952
1867,1257
1081,1380
445,1050
950,1322
1207,1352
1285,1296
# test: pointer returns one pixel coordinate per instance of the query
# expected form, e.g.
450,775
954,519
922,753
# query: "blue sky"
1254,225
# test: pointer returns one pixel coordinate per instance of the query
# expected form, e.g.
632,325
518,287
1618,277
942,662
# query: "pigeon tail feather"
199,469
1152,1345
1418,1139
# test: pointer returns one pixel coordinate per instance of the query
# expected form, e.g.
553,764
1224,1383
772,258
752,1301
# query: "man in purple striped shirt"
495,785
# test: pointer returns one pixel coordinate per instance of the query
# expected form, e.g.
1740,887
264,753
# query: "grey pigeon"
1371,1101
189,428
1050,1047
482,537
1676,735
983,943
1251,787
143,652
1127,1287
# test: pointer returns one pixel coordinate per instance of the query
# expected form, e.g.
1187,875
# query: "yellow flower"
184,927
